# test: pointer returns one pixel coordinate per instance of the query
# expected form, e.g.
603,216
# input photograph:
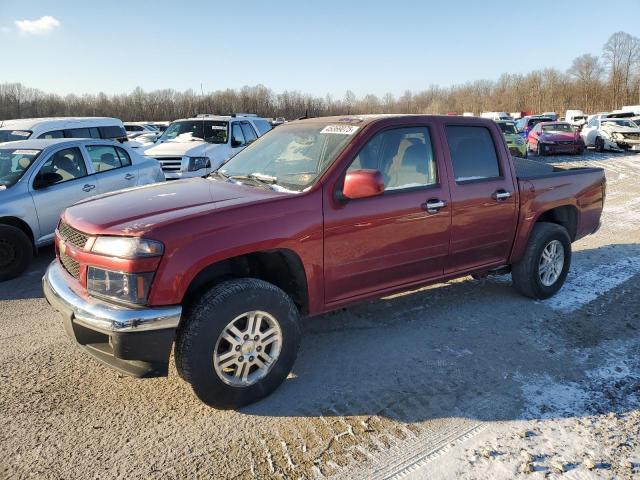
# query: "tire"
526,153
526,274
599,144
16,252
539,152
200,336
581,151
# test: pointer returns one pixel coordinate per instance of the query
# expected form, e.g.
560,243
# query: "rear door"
383,242
484,213
112,166
74,185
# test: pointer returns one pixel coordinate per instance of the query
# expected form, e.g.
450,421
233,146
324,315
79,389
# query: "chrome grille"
71,235
70,265
170,164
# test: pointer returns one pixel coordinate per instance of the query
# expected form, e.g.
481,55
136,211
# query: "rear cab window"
473,153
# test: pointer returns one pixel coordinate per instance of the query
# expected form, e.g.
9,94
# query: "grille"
70,265
566,142
632,136
170,164
71,235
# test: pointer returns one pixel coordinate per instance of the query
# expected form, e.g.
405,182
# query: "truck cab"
194,147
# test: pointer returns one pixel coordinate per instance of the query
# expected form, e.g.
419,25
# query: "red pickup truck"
317,214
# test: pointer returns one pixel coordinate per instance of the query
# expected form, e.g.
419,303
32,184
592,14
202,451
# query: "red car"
317,214
550,138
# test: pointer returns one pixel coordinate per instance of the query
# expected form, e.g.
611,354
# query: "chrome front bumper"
135,341
102,316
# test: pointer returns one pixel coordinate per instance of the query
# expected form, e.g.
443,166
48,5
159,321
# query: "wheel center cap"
248,347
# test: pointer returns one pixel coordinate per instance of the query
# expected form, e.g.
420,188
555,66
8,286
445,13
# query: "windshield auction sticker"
25,152
340,129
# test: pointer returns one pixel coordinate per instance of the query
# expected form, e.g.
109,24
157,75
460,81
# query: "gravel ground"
464,379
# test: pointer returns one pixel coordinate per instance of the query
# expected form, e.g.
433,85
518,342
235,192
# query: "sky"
321,47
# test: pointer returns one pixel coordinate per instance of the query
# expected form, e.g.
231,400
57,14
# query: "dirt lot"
464,379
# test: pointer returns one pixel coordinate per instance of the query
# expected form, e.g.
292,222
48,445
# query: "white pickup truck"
195,147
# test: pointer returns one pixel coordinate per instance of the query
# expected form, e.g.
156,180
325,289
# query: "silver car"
40,178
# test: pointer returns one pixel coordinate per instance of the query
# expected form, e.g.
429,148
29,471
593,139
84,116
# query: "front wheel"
544,266
599,144
238,343
539,151
16,252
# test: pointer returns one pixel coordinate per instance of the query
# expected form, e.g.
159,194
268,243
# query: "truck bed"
531,169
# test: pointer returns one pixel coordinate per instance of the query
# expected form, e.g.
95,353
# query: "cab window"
404,156
473,153
249,133
52,134
236,134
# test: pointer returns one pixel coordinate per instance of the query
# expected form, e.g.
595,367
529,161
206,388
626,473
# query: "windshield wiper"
265,181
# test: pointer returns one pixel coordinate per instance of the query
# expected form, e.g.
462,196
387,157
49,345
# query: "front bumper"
135,341
551,148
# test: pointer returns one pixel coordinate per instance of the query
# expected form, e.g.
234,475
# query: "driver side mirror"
44,180
363,184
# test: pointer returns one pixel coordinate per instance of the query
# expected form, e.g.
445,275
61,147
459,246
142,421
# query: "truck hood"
137,210
179,149
560,136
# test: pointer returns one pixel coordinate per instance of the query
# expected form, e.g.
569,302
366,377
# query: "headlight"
120,286
617,136
198,163
127,247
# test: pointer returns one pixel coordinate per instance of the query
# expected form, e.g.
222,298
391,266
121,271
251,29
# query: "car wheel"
539,151
581,151
16,252
544,266
238,343
599,144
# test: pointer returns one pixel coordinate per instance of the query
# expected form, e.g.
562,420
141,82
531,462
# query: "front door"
377,243
73,185
484,207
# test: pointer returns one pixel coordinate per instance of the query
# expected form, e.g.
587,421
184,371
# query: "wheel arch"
565,216
21,225
281,267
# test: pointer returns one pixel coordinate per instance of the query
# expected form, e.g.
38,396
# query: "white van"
577,118
62,127
496,116
197,146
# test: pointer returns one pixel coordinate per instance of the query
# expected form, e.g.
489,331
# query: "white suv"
194,147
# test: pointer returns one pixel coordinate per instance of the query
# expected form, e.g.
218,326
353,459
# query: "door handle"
88,187
129,176
433,205
501,195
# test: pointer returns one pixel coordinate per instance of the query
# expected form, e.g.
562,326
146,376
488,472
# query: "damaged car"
611,133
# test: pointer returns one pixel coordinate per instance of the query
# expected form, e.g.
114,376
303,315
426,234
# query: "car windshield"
292,156
557,127
620,122
535,121
13,163
507,127
13,135
189,130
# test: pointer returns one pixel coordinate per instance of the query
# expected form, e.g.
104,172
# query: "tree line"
592,83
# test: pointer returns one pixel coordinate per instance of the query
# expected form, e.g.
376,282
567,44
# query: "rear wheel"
238,343
16,252
599,144
544,266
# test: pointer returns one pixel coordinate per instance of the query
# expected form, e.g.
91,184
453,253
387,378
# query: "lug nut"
256,338
237,348
251,359
259,349
241,358
246,337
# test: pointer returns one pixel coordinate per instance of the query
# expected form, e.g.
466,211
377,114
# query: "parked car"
549,138
137,129
162,126
577,118
517,146
194,147
611,132
496,116
552,115
318,214
62,127
525,124
40,178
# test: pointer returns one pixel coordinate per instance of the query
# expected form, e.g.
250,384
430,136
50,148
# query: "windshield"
12,135
13,164
291,156
557,127
188,130
508,127
620,122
